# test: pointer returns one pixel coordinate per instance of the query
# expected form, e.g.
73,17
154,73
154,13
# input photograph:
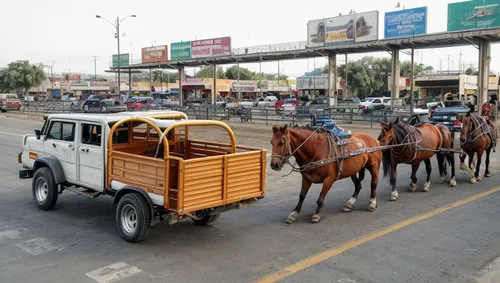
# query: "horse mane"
401,131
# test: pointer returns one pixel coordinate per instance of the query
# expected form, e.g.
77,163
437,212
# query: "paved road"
78,242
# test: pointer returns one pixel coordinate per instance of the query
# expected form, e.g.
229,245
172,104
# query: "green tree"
161,76
208,72
140,77
20,76
244,73
471,71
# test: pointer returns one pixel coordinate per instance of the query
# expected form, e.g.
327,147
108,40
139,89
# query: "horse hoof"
413,187
426,187
347,209
372,205
487,175
463,167
479,178
292,217
473,181
453,183
442,178
394,196
315,218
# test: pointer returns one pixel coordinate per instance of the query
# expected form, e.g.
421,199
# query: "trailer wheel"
133,217
44,189
206,219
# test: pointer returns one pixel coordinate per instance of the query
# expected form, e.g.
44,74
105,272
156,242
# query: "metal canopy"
437,40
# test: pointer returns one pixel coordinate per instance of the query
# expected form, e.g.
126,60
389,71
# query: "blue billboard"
405,23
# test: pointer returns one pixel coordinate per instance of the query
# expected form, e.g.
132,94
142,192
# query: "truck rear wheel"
133,217
205,219
44,189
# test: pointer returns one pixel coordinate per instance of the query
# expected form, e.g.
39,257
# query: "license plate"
445,117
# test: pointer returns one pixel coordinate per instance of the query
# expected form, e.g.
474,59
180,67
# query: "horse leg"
428,169
306,184
372,203
414,169
487,171
327,184
357,188
394,193
467,168
451,160
478,165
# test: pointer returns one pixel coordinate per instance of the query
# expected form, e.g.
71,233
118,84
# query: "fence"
346,114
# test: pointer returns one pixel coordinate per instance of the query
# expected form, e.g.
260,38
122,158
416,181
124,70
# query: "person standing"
489,112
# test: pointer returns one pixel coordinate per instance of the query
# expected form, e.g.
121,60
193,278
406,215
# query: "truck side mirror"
38,133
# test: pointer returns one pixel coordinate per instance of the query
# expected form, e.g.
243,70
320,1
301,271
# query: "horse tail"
441,164
387,162
442,157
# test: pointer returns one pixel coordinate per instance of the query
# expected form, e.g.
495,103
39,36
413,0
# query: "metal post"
411,82
260,77
484,71
214,87
239,93
332,79
395,76
95,67
118,39
130,81
182,76
278,76
346,95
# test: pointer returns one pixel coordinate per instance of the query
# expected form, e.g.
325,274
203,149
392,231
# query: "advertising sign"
352,28
124,60
316,31
155,54
194,81
211,47
475,14
249,86
180,50
405,23
317,82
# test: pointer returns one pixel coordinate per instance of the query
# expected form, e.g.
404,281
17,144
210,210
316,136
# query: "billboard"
124,60
211,47
155,54
352,28
475,14
180,50
405,23
316,31
313,82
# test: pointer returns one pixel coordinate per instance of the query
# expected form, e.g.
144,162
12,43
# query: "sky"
69,34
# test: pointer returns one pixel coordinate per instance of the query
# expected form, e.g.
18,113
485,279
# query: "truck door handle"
85,149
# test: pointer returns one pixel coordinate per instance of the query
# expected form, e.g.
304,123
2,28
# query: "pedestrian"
489,111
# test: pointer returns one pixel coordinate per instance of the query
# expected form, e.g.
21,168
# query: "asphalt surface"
78,241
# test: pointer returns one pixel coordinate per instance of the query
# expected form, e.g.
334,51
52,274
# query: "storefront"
244,89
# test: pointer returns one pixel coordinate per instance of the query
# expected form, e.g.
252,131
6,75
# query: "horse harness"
412,138
481,126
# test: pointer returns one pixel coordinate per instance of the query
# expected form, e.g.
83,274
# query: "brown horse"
417,143
308,147
476,137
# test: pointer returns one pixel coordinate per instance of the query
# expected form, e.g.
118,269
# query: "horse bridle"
288,147
469,137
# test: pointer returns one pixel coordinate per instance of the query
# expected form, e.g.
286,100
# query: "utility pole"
117,36
460,61
95,67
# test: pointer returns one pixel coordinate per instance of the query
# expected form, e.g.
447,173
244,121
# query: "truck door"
90,156
60,143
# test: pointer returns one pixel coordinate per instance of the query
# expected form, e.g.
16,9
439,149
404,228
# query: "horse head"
386,133
467,127
281,147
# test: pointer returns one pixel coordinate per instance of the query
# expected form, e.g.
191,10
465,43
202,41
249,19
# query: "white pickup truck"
146,161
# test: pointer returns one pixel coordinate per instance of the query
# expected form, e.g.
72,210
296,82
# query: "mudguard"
54,165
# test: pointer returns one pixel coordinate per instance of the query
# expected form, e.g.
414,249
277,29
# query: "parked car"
10,101
104,106
267,101
289,107
450,115
280,103
373,103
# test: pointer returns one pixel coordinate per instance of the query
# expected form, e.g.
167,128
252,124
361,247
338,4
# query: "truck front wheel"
133,217
44,189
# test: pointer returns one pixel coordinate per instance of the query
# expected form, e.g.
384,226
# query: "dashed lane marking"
38,246
11,134
113,272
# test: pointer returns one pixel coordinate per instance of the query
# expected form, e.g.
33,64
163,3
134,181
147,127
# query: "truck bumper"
25,173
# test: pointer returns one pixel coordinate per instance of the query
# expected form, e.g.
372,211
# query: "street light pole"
117,35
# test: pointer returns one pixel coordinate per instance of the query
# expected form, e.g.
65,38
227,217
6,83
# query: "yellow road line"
322,256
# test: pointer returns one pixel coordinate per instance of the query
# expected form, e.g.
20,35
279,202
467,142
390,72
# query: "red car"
279,104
